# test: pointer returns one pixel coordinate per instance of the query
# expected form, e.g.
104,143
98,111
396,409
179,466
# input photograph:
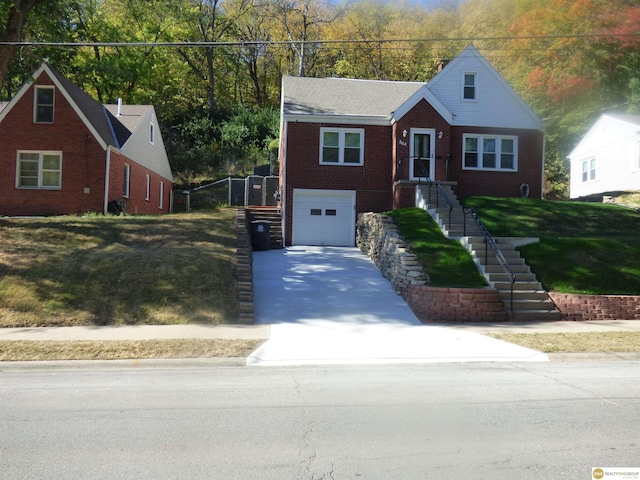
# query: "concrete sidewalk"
138,332
262,332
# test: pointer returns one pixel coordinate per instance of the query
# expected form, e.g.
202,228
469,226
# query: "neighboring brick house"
65,153
351,146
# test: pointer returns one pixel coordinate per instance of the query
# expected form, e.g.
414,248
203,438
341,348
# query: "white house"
607,159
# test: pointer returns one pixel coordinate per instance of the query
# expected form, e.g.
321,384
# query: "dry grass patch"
129,270
589,342
23,350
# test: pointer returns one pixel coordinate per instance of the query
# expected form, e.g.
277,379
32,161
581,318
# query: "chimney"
443,63
119,103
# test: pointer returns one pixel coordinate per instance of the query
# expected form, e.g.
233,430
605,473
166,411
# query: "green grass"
104,270
588,248
446,261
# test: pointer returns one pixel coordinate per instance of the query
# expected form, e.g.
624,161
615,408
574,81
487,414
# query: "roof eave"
339,119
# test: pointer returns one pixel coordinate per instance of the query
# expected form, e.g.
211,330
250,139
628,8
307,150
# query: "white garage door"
324,217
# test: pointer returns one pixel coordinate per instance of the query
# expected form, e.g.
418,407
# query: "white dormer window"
43,104
469,86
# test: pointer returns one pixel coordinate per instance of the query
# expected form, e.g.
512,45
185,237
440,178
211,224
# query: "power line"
257,43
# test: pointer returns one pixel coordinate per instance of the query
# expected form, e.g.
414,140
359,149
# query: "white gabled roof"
608,129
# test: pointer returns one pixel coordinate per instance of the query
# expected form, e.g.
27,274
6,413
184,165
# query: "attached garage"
324,217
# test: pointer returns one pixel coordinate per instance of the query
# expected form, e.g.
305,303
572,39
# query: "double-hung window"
588,170
490,152
469,86
39,170
43,104
342,146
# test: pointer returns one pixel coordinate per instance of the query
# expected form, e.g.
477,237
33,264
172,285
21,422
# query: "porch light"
440,135
404,133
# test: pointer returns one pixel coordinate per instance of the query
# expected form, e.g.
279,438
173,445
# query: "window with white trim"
147,194
588,170
126,186
342,146
39,170
161,201
43,104
469,86
490,152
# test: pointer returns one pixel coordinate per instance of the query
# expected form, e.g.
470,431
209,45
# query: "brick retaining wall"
597,307
377,236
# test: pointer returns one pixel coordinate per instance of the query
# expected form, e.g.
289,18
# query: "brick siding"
83,165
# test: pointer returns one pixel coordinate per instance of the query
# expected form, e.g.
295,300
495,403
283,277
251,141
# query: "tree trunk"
13,33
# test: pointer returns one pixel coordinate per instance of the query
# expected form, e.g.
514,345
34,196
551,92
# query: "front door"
422,153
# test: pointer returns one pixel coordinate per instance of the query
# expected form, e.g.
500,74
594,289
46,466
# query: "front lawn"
105,270
447,262
588,248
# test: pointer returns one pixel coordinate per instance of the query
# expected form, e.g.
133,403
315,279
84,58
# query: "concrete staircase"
272,215
528,301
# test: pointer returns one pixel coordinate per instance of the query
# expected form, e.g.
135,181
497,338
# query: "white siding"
496,105
152,156
613,143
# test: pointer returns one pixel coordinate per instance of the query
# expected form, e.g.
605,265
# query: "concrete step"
539,305
518,286
503,277
517,269
534,316
528,295
492,260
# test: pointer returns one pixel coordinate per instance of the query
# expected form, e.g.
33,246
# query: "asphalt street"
182,420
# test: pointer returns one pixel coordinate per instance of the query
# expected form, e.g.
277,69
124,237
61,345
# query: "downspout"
283,167
106,181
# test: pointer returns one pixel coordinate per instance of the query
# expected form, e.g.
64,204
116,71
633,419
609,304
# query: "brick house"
351,146
65,153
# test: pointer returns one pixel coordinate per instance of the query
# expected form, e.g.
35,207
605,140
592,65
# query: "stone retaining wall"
597,307
378,237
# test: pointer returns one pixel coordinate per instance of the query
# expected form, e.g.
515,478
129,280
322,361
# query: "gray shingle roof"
112,131
130,115
342,96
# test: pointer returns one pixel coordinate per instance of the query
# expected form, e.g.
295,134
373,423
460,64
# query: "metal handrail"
490,242
439,190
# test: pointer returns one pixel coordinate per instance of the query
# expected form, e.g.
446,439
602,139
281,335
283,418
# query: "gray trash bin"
260,234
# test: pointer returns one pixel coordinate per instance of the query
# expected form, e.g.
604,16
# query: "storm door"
422,153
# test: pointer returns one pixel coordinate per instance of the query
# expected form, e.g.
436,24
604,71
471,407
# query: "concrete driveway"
331,305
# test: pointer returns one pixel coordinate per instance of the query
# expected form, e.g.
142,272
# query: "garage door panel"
324,217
